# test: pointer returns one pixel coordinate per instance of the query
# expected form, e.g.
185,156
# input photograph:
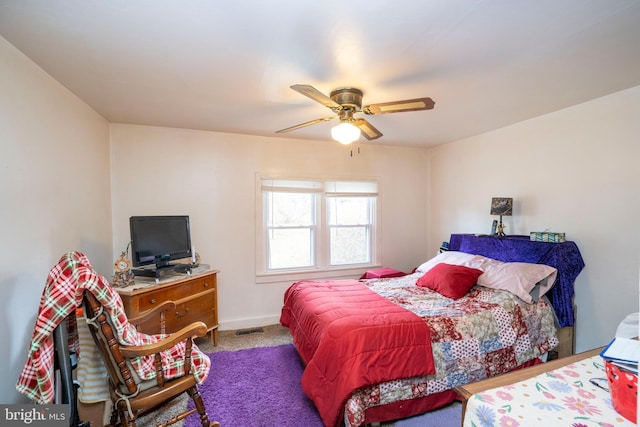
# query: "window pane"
348,210
293,221
352,187
290,248
290,209
349,245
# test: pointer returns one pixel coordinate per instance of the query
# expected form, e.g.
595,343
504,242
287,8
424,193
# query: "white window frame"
324,188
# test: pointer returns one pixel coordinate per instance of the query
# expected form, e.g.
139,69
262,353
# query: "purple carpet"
258,387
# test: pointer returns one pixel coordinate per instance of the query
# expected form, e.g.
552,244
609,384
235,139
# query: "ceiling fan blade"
305,124
399,106
317,96
367,129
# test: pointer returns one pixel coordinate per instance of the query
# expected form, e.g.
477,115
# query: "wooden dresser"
196,299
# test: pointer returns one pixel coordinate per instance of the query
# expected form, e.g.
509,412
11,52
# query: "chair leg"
126,419
114,415
197,400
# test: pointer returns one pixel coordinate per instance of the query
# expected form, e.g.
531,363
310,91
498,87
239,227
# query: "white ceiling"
227,65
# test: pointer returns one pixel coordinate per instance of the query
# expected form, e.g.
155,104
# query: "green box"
544,236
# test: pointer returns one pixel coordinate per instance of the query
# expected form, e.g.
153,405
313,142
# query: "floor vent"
249,331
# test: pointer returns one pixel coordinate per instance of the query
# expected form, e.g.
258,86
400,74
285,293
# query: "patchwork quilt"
483,334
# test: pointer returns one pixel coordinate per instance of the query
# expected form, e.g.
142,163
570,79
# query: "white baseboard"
253,322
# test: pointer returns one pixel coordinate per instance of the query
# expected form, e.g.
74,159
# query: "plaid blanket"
62,295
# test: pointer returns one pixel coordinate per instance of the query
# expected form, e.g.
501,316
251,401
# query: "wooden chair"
132,396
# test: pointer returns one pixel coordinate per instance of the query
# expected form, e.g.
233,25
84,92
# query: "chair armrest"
155,311
197,329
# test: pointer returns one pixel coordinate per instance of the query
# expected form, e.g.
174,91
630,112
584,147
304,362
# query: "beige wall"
211,177
574,171
55,196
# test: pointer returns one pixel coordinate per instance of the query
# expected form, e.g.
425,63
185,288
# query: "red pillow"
452,281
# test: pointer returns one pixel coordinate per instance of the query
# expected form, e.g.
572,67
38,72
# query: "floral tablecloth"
562,397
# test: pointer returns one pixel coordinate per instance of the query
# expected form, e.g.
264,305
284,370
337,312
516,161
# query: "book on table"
623,352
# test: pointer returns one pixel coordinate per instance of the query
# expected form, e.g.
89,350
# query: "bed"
384,349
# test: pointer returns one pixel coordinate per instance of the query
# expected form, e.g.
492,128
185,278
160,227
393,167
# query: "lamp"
345,133
502,206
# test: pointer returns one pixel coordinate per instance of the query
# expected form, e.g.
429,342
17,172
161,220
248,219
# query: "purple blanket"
565,257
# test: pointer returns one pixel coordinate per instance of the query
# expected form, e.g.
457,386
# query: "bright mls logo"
34,415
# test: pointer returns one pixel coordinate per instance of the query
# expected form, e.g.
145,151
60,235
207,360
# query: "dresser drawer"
195,308
201,308
174,293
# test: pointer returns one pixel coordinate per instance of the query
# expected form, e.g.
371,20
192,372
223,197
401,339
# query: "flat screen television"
158,240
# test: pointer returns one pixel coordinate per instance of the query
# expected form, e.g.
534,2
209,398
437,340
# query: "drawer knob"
206,284
152,301
186,311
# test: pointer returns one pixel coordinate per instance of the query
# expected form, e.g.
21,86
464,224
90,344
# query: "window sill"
292,276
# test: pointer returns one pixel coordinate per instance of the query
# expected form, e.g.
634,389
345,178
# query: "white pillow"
519,278
455,258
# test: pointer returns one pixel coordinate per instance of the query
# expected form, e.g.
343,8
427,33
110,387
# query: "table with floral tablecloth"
565,396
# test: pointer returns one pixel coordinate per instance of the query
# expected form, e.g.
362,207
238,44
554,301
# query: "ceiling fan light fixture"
345,133
347,101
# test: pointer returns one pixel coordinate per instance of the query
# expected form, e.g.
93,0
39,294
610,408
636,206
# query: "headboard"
565,257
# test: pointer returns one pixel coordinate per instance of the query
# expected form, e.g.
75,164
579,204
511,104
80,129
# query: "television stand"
196,299
156,272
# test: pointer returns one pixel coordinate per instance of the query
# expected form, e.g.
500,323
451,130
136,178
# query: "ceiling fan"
346,102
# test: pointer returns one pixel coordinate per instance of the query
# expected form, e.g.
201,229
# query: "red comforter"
349,337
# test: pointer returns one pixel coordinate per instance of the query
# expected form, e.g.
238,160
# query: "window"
312,225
